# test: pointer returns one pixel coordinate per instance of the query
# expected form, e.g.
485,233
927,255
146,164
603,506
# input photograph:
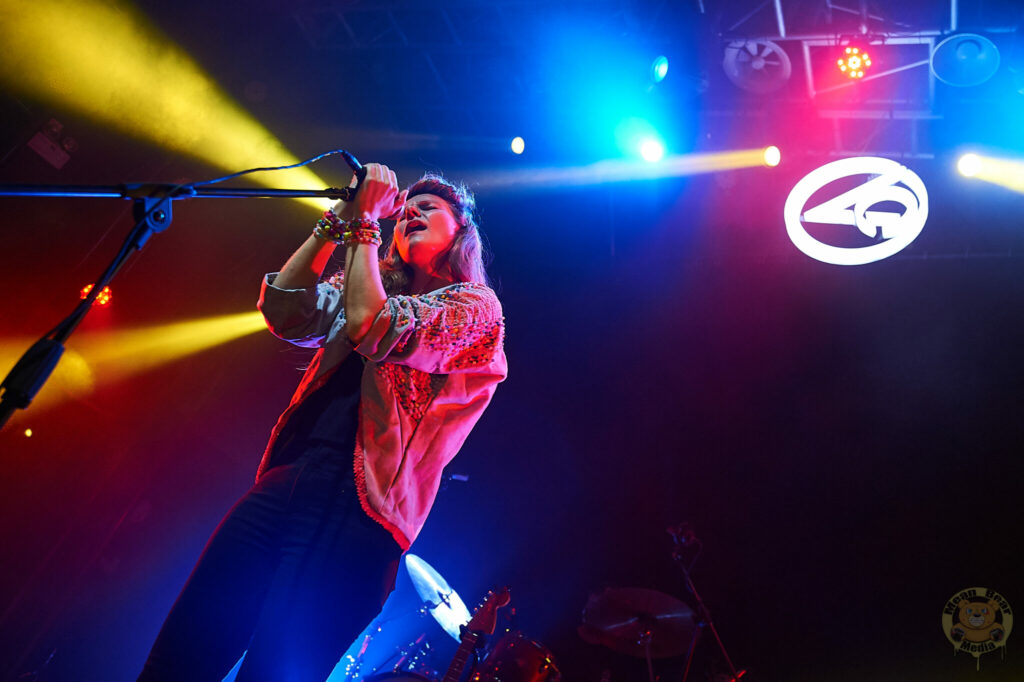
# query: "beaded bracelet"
371,237
361,231
358,230
329,228
362,224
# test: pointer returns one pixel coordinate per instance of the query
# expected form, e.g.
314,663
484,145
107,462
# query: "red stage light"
855,63
102,298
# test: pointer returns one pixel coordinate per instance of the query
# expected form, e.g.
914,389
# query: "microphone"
349,193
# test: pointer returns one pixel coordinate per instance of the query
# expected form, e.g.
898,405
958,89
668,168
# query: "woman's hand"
378,197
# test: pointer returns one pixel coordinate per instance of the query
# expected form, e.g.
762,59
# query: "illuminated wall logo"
889,210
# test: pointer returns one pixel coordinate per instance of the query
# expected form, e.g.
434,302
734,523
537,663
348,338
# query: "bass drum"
400,676
518,659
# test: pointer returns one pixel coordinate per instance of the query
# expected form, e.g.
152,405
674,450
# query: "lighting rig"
839,58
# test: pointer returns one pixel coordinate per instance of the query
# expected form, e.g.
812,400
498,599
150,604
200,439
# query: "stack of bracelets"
347,232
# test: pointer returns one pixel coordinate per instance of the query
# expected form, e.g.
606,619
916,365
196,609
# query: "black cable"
19,387
269,168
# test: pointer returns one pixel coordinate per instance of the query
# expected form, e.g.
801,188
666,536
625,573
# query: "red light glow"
855,63
102,298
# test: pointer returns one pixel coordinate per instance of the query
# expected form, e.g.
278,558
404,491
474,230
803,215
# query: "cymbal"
623,618
440,599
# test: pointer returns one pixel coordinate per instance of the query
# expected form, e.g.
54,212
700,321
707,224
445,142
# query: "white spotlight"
652,150
969,165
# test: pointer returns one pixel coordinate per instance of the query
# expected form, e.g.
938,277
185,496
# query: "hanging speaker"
965,59
758,66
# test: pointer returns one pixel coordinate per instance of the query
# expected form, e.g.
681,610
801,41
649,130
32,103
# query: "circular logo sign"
867,207
977,621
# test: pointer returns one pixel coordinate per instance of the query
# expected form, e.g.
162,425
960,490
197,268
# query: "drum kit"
414,637
403,644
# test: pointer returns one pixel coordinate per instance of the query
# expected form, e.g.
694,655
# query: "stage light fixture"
757,66
965,59
518,145
1008,173
652,150
969,165
103,298
119,69
28,433
854,62
772,156
659,69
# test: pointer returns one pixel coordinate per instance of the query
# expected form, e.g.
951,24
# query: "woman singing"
410,352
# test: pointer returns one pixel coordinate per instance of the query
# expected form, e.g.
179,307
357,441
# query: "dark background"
844,440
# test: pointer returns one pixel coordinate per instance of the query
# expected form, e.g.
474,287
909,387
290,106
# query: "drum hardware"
354,662
439,599
650,624
518,659
400,676
404,635
685,554
638,622
412,657
513,659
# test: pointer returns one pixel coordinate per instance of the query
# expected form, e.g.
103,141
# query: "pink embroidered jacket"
433,362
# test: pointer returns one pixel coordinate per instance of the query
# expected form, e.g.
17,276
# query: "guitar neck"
469,640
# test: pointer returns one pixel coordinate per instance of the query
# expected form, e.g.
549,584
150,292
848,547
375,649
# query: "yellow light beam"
104,357
620,170
1008,173
72,378
108,62
117,354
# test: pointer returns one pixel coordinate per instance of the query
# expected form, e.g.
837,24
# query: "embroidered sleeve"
456,329
301,316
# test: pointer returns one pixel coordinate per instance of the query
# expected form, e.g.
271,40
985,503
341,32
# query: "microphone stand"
684,539
152,212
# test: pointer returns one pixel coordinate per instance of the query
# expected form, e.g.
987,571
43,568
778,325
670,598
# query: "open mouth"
414,227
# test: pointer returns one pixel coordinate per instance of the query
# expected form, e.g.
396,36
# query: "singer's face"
425,229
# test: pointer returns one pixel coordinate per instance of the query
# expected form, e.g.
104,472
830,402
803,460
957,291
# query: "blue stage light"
652,149
636,137
518,145
659,69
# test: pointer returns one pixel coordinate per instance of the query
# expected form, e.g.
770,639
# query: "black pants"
293,573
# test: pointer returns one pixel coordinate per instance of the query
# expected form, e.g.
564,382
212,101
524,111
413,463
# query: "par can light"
659,69
854,62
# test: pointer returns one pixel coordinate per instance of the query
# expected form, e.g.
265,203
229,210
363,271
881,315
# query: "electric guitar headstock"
484,620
